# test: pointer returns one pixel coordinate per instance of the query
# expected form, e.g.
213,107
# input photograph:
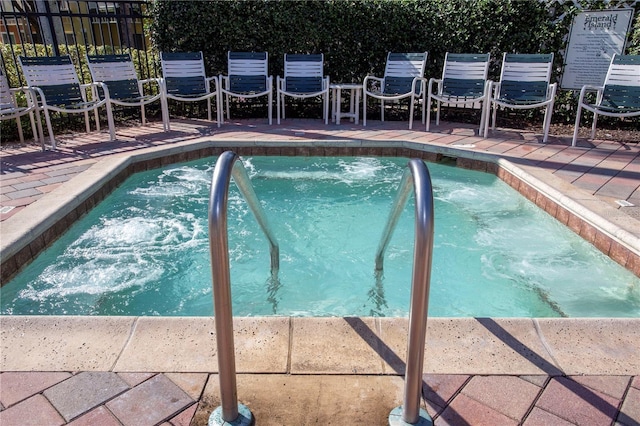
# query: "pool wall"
24,236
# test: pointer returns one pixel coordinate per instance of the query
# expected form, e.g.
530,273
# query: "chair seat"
620,98
248,84
186,86
462,88
523,92
303,85
397,85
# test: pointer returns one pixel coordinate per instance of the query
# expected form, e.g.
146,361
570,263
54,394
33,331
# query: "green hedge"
355,36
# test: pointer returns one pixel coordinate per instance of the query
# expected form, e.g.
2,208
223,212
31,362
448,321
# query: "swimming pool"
144,250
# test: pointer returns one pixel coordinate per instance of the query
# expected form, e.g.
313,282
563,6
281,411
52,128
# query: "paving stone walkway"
137,399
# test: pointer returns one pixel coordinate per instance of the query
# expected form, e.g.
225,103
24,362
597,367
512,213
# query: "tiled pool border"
26,235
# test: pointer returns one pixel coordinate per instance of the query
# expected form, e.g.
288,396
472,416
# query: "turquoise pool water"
144,250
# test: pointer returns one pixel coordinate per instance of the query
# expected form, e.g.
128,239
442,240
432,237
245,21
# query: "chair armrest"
214,79
422,81
369,78
150,80
93,86
495,93
432,81
589,88
141,84
37,95
224,81
24,90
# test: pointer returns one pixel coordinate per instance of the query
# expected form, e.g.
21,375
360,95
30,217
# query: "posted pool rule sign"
595,37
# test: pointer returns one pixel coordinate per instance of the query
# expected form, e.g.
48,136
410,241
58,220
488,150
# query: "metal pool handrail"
410,411
225,167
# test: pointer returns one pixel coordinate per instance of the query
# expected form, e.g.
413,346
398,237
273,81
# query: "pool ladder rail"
226,167
417,177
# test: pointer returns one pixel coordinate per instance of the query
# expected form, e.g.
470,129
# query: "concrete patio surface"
328,371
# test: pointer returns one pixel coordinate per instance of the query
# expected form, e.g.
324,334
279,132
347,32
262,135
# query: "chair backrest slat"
525,78
405,64
624,71
303,84
182,64
117,72
299,65
523,91
248,63
55,75
48,71
107,68
247,83
248,71
526,67
465,74
400,70
184,73
466,66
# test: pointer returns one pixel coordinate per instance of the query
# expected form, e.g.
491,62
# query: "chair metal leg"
364,108
428,108
36,136
326,107
547,122
86,120
411,113
47,118
219,108
110,122
143,114
226,97
278,107
20,134
577,125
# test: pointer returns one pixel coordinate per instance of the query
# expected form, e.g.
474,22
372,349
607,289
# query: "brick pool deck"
292,371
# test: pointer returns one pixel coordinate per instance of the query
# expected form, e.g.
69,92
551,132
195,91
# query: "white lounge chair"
184,79
403,78
525,83
119,75
464,82
248,77
303,78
